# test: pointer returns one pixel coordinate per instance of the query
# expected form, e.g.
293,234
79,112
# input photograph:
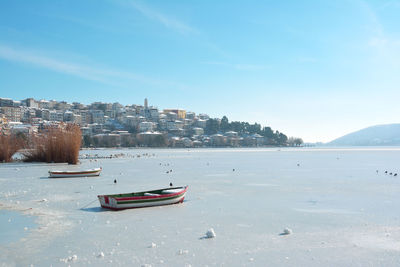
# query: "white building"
146,126
198,131
56,115
201,123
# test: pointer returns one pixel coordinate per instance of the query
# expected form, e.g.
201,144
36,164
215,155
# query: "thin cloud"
247,67
375,25
22,56
165,20
391,4
379,39
101,75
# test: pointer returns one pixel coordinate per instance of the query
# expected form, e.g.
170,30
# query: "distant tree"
281,138
87,141
225,126
294,141
254,128
96,142
128,141
212,126
132,129
236,126
160,141
298,141
267,132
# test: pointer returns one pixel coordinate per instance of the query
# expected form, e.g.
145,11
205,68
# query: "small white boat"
165,196
71,174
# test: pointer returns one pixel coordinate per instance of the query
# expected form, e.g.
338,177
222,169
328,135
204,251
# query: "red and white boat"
71,174
166,196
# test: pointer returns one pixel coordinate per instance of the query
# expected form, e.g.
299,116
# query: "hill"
379,135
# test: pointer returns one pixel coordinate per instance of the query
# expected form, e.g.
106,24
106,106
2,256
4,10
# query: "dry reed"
56,145
9,145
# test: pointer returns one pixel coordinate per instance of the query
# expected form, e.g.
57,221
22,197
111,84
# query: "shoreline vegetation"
51,145
9,144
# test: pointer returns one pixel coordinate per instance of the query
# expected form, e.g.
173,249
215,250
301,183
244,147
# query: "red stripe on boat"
151,197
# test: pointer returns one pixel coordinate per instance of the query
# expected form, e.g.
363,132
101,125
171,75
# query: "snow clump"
211,233
287,231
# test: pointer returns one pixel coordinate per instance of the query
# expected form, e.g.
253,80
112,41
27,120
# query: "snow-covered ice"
342,211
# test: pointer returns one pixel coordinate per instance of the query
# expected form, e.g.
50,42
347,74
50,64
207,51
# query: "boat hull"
120,203
71,174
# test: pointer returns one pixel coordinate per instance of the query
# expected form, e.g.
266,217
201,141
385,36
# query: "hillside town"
116,125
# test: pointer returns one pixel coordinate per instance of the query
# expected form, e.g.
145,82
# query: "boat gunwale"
76,172
115,196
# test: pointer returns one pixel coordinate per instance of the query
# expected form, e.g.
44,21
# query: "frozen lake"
341,210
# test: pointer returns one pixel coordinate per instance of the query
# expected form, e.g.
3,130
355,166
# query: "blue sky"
312,69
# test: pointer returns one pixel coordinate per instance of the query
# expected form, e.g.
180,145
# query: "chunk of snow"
153,245
69,259
182,251
287,231
211,233
101,255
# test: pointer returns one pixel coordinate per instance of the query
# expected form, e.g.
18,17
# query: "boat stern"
107,202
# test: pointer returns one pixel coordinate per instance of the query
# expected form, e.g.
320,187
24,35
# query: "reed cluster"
56,145
9,145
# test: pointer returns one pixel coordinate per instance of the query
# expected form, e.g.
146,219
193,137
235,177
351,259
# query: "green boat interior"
158,192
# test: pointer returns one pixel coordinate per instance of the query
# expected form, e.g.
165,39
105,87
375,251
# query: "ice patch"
217,175
261,185
243,225
377,241
323,211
